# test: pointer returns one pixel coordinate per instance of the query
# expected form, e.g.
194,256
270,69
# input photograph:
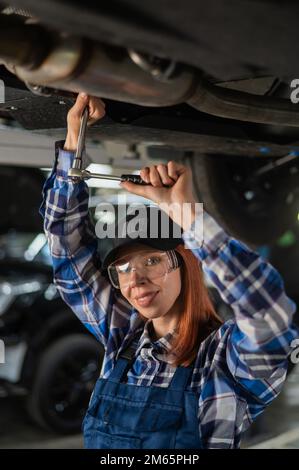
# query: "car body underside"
204,82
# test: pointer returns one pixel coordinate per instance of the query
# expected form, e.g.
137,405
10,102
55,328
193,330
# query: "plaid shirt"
239,369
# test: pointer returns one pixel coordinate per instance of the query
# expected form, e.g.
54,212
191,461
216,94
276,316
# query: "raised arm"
258,342
254,347
75,258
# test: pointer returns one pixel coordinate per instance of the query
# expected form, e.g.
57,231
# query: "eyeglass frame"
175,257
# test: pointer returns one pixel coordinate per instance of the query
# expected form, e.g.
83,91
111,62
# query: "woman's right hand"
96,112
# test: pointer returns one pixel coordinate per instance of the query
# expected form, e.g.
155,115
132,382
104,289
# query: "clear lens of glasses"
150,265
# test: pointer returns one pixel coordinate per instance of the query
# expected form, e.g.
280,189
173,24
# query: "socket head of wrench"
75,173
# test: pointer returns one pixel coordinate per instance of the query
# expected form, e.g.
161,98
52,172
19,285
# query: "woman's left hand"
178,179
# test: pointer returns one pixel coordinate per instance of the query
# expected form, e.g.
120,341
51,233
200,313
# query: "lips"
145,299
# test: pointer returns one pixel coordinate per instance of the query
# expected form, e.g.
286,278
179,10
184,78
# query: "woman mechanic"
174,375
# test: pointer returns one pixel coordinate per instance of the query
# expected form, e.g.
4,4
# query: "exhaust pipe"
76,64
242,106
61,61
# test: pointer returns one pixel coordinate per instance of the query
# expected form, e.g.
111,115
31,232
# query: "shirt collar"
161,345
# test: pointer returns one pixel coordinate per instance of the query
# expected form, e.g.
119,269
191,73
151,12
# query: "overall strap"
181,377
123,364
179,380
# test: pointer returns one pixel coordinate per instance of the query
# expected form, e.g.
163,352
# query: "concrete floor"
278,427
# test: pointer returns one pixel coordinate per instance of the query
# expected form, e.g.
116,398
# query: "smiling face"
152,298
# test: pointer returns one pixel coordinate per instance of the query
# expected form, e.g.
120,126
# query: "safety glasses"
150,265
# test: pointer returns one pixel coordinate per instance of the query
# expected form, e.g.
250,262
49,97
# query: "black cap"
151,226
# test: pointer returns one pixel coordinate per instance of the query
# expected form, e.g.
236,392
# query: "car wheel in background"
63,383
256,210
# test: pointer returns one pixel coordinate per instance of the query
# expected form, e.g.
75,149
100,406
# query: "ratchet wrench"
78,173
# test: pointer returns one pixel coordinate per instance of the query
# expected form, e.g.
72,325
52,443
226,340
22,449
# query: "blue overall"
125,416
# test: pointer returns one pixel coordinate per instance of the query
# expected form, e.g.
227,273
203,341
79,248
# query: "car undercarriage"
190,83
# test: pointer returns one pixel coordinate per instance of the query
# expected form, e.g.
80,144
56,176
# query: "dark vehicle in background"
50,357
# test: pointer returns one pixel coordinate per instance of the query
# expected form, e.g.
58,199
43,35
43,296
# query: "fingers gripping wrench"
78,173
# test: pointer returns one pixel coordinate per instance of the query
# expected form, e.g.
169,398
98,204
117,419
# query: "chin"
150,314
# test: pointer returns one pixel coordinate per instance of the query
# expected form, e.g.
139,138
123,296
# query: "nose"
136,278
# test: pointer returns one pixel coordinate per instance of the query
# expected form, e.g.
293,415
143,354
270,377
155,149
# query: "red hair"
199,317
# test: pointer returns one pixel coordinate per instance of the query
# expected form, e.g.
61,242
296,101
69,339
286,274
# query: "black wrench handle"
133,179
136,179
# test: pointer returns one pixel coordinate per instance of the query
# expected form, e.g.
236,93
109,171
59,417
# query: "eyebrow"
130,255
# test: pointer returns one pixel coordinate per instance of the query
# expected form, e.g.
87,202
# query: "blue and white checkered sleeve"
74,250
261,336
